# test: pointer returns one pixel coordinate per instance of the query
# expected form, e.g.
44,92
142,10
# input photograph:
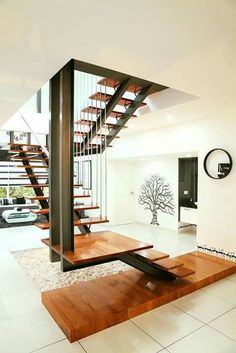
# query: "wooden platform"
77,222
88,307
99,246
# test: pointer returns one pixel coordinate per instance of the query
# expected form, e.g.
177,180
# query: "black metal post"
54,184
39,101
28,138
11,135
66,160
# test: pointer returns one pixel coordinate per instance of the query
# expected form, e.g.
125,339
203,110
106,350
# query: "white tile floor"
204,321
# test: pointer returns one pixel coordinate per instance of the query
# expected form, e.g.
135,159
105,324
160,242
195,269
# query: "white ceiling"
189,45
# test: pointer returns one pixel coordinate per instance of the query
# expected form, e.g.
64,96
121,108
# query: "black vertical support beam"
28,138
66,160
39,101
11,135
54,184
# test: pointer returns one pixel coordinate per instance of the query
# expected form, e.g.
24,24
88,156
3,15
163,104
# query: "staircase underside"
88,307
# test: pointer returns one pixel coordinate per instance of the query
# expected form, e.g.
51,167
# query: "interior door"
123,193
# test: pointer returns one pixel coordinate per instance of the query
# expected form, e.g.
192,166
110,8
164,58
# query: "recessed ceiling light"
169,117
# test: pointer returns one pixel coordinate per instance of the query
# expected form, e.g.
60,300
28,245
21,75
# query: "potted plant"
19,194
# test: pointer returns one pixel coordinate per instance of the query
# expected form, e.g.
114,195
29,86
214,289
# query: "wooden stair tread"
98,135
30,158
47,197
87,307
77,222
99,245
109,82
36,186
90,123
169,264
39,198
76,208
104,97
26,144
94,110
26,151
44,176
181,272
32,166
151,254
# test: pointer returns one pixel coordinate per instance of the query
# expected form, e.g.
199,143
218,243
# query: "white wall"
166,167
216,198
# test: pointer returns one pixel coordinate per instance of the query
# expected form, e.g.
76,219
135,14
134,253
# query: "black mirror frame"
205,162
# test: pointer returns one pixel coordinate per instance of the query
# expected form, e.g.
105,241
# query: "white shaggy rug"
47,275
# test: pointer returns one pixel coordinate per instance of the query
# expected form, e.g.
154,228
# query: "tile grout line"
222,315
82,346
47,345
189,334
205,323
185,312
213,328
146,333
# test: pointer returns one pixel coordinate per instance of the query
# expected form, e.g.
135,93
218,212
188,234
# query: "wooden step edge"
32,166
37,186
105,97
77,222
181,272
168,263
76,208
41,211
109,82
26,144
47,197
85,208
150,255
44,176
29,158
37,198
26,151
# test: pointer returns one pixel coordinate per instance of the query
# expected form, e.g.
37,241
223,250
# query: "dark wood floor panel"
88,307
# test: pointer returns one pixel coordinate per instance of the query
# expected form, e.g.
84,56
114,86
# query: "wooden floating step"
96,146
169,264
30,158
27,176
181,272
76,208
26,144
94,110
32,166
47,197
108,82
151,255
84,134
99,246
106,97
26,151
88,307
37,186
91,123
77,222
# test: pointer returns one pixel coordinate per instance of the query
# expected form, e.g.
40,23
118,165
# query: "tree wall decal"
156,195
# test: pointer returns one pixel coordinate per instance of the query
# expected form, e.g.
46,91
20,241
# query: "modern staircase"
98,125
20,152
85,136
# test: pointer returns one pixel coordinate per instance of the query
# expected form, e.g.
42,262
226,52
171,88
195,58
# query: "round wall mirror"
218,163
